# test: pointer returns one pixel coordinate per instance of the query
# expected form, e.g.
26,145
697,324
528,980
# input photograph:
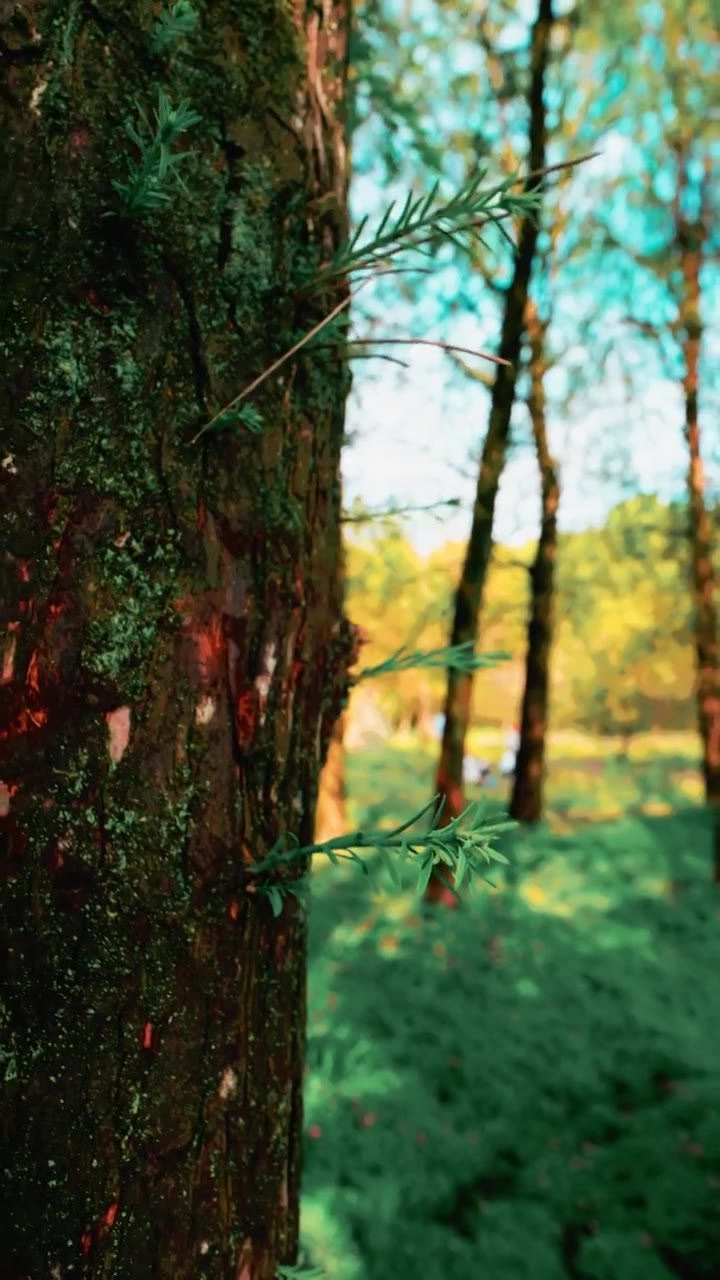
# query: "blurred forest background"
528,1088
623,659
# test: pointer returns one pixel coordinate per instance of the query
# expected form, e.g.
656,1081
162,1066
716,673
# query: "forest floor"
527,1088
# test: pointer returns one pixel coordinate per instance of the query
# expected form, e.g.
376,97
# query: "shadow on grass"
527,1088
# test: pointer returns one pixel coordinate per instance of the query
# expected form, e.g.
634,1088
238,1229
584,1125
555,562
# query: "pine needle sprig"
145,191
422,222
458,657
463,849
173,25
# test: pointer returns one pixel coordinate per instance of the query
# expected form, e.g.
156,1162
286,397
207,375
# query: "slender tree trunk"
330,820
526,803
690,236
468,597
175,654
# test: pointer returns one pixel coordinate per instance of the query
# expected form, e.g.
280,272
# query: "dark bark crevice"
196,345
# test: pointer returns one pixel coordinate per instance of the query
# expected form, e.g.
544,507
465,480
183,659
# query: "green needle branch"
145,191
173,25
458,657
464,847
422,223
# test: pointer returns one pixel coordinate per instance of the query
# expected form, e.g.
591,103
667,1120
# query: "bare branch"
434,342
366,517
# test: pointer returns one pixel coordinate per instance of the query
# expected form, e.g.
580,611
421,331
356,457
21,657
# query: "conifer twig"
458,657
464,846
172,25
144,191
417,215
421,221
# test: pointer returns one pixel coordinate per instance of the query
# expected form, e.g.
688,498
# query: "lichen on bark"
171,652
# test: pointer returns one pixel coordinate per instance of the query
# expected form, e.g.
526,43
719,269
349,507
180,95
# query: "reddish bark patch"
245,718
79,140
24,723
6,795
111,1214
209,644
32,678
55,609
96,303
8,664
118,723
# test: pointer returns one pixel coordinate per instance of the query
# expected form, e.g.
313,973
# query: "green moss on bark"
172,610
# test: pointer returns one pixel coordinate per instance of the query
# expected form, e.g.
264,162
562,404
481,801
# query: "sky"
413,431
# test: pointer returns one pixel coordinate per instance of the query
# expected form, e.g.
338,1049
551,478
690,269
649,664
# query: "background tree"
477,557
671,241
692,231
526,801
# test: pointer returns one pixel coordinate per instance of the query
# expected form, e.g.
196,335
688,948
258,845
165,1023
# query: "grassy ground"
527,1088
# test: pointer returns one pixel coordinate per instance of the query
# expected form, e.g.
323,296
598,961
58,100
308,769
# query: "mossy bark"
469,594
526,801
174,652
691,235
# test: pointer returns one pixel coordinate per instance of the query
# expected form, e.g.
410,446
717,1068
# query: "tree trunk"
526,803
330,820
691,238
175,654
468,597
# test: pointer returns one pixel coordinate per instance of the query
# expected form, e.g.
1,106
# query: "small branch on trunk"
365,517
281,360
431,342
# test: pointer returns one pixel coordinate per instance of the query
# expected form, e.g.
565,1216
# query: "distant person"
439,726
509,756
476,772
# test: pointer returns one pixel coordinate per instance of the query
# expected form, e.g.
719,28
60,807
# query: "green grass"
527,1088
586,783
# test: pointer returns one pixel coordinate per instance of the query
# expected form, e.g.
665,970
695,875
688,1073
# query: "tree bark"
468,597
175,654
526,802
690,235
330,817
